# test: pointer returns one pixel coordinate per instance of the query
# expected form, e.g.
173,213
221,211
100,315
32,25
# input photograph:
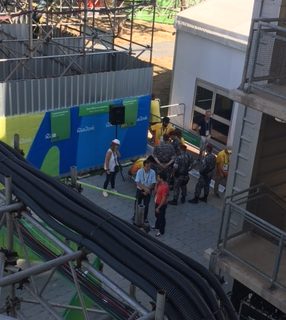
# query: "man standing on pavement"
145,181
164,155
182,164
207,168
161,201
205,128
222,166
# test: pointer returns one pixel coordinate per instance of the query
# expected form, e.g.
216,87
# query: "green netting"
166,11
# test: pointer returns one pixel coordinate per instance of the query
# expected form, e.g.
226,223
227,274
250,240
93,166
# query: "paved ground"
190,228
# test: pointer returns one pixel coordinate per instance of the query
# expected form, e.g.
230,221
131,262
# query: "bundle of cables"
192,292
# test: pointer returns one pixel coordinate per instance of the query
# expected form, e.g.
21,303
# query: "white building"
211,42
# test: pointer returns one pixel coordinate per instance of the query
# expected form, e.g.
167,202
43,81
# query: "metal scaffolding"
265,66
66,33
14,216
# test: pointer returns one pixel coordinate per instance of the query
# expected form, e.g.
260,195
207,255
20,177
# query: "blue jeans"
110,177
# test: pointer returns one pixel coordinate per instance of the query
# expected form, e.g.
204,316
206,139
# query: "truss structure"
68,32
73,261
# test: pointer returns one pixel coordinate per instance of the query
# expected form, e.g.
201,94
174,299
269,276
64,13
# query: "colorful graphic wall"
78,136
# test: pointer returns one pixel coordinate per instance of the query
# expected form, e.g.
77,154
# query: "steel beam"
65,306
99,275
34,270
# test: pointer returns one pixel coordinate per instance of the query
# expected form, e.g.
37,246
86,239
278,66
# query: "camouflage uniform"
182,165
206,173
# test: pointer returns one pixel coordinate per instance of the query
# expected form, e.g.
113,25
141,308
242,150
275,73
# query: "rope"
125,196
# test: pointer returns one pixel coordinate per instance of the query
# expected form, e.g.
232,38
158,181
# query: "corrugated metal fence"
35,95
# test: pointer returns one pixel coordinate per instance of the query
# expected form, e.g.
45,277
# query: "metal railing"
252,216
266,57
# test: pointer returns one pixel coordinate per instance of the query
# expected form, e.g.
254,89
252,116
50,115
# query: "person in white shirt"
145,181
111,166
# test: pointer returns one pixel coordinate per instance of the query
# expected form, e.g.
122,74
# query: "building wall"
200,58
270,160
255,155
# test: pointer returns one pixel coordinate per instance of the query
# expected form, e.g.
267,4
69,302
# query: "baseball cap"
116,141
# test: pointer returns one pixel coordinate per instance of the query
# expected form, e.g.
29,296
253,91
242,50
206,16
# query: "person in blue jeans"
145,180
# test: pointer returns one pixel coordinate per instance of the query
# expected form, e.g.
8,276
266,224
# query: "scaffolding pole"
99,275
34,270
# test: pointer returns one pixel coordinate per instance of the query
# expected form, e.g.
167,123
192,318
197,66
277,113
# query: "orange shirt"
162,190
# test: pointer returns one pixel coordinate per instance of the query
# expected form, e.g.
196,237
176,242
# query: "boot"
183,199
204,198
194,200
173,202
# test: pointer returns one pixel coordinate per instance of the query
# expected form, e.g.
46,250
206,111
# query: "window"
223,106
210,97
204,98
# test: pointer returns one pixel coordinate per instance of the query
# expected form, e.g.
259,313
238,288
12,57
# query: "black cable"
120,241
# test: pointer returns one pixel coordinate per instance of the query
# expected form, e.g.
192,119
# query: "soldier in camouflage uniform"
206,173
182,165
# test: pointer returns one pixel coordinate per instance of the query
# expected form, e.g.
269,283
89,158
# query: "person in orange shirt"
161,201
160,129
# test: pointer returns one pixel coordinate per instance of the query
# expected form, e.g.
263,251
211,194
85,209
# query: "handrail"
232,207
256,56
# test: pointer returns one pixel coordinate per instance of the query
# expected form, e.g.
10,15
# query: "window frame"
216,90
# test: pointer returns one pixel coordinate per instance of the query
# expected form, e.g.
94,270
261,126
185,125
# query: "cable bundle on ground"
192,292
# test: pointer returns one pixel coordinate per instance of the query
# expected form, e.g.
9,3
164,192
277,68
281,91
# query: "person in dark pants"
145,181
182,165
161,201
205,130
110,166
206,173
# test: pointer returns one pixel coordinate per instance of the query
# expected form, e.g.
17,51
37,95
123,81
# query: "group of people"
168,169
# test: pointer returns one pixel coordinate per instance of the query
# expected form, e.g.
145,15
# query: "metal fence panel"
35,95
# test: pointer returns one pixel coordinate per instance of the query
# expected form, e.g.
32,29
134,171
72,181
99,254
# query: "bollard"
160,305
132,291
139,215
73,171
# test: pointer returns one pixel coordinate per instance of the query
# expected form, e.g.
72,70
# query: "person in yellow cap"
111,166
222,166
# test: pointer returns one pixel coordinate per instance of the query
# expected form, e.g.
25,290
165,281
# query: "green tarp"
60,125
131,112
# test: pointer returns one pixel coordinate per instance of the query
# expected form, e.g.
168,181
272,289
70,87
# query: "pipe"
149,316
17,277
131,302
2,265
11,207
160,305
65,306
8,196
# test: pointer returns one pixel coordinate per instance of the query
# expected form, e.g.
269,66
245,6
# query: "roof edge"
222,36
